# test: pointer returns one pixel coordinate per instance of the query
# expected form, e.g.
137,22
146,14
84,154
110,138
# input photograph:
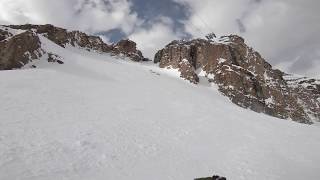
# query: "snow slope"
98,118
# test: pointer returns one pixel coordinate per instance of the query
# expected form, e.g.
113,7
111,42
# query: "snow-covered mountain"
98,115
244,76
21,44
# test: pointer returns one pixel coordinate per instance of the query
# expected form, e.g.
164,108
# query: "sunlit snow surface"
101,118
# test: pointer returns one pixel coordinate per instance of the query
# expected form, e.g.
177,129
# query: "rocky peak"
63,37
241,74
129,48
20,44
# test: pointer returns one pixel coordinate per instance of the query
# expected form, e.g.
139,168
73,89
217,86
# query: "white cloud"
85,15
156,37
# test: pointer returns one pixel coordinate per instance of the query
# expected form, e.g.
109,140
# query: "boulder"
129,49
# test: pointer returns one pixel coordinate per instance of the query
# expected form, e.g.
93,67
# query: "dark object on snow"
146,59
60,62
215,177
211,36
54,58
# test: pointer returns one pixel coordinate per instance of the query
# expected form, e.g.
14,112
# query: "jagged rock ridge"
244,76
20,44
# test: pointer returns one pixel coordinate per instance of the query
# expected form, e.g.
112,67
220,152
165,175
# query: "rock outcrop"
4,34
242,75
63,37
129,49
16,51
308,92
215,177
20,44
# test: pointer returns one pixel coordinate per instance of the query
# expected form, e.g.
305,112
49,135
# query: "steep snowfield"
101,118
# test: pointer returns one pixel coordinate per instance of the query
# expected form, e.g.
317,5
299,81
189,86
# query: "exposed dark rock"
146,59
187,71
60,62
215,177
54,58
308,92
241,74
4,34
129,49
19,50
211,36
64,37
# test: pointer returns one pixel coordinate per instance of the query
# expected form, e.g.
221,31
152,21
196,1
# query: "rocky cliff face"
20,44
244,76
18,50
308,92
129,49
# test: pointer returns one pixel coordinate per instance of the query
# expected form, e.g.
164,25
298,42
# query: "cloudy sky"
285,32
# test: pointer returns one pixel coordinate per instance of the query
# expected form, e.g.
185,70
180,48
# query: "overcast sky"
285,32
